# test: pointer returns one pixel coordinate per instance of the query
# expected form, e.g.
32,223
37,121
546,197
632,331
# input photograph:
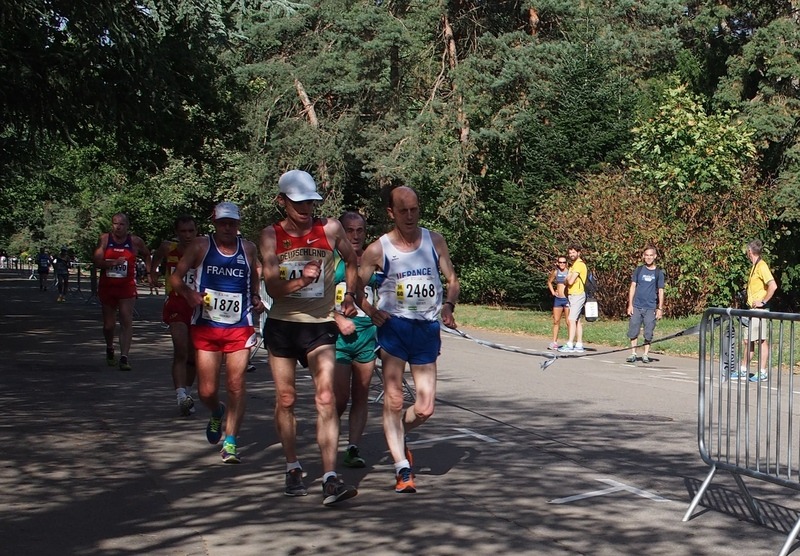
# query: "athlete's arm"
254,293
144,251
99,258
449,273
158,256
338,239
371,260
191,258
271,270
345,325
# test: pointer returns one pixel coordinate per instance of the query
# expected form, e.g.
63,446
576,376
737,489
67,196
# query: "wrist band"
351,294
452,305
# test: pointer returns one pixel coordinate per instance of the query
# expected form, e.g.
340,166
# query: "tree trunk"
311,114
533,20
453,60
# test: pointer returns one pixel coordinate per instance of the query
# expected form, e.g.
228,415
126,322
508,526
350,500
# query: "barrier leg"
697,497
748,498
406,387
379,374
787,546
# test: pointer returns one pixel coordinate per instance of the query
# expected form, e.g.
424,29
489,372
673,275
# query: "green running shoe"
229,453
353,459
214,428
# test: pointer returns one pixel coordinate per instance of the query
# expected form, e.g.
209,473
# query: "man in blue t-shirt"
645,302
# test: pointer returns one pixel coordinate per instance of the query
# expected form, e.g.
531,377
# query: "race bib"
341,289
117,270
188,278
416,294
222,307
289,270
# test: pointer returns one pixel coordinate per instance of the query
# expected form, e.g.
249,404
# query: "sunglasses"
561,262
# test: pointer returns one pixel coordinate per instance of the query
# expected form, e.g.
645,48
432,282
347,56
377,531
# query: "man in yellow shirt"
576,293
761,287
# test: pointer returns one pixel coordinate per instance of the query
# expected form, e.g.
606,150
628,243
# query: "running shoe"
214,428
294,483
578,348
552,346
251,368
229,453
352,458
736,375
405,481
645,358
631,359
186,405
111,359
760,377
123,363
566,348
334,491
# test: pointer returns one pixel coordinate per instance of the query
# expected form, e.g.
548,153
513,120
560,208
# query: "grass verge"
603,331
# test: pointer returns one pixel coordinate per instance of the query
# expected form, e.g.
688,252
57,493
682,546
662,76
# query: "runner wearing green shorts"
355,347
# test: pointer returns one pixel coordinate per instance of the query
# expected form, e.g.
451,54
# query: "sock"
180,392
327,476
401,465
230,439
217,412
293,465
123,358
763,371
352,446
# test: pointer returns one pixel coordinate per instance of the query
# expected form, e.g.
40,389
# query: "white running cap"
298,186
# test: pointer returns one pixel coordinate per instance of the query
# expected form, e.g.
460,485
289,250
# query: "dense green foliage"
523,124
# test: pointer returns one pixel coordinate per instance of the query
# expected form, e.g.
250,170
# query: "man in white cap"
224,297
298,270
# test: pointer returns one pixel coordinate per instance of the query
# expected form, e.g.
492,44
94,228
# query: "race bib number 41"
289,270
222,307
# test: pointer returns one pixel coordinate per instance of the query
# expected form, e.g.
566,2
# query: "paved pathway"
588,457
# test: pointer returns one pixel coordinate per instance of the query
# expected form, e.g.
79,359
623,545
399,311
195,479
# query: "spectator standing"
645,302
557,284
576,294
761,288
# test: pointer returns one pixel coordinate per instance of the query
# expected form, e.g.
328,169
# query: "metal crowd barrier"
749,428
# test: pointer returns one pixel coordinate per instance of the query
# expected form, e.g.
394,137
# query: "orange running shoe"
405,481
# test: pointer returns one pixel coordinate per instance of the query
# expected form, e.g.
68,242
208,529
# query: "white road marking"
616,487
466,433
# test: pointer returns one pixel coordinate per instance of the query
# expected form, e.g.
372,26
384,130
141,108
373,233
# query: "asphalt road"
589,456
